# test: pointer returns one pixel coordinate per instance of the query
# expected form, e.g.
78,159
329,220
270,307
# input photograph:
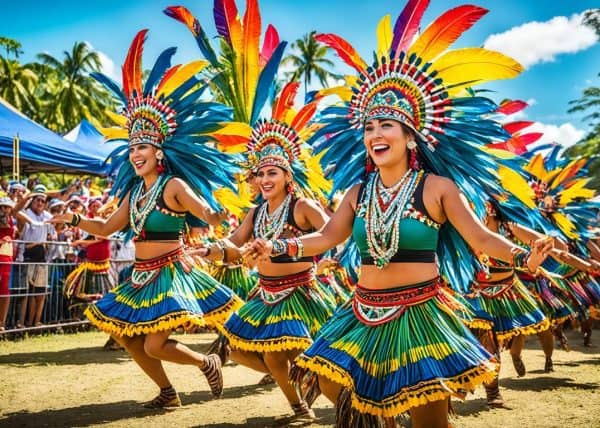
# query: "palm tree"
70,92
17,85
11,46
310,60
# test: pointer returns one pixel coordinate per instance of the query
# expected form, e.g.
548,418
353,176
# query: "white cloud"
565,135
107,65
535,42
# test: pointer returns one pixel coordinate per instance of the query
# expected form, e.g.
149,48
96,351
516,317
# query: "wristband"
75,220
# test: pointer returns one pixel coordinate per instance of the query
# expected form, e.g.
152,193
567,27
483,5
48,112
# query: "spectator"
16,191
7,234
35,233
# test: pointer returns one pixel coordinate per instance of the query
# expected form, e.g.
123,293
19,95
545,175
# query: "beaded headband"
273,144
149,121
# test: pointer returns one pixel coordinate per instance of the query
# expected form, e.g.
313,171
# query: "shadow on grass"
84,415
73,356
324,417
545,383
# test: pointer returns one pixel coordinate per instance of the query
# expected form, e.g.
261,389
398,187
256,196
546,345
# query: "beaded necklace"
137,215
270,226
383,219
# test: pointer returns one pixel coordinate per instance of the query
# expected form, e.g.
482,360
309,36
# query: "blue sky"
561,57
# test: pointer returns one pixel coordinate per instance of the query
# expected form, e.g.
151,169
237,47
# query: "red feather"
303,116
183,15
132,67
269,44
514,127
167,76
511,106
345,51
407,24
285,101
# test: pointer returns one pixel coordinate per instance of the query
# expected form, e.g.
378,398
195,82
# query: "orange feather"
132,67
250,52
285,101
345,51
304,116
167,76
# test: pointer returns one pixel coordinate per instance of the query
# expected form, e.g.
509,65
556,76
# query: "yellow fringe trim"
165,323
479,324
558,321
284,343
525,331
200,295
401,402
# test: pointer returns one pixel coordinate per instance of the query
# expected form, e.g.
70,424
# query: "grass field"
69,381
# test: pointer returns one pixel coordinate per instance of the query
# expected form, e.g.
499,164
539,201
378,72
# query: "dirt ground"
69,381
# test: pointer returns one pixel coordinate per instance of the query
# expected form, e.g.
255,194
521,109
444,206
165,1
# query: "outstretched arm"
180,197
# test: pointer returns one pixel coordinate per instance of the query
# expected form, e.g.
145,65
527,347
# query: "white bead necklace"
271,226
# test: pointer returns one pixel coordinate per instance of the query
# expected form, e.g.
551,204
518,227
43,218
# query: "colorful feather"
511,107
568,172
285,101
183,15
265,81
303,116
470,66
445,30
515,184
181,75
250,52
514,127
384,36
345,51
407,25
270,43
132,67
161,65
171,71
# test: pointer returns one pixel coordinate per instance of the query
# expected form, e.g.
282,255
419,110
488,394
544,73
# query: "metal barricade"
35,284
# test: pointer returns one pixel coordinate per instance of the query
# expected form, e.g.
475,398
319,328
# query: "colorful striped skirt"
398,348
238,278
163,294
283,313
88,282
509,306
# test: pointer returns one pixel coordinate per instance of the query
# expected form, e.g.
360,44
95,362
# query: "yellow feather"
384,36
514,183
565,225
115,133
118,119
235,128
575,191
536,167
573,166
180,76
343,92
236,202
314,174
472,66
499,153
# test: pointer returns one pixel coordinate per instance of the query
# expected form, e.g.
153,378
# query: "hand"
7,239
259,249
198,251
539,251
325,264
61,218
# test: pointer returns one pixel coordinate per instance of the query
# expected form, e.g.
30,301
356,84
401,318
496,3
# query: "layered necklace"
270,226
383,213
137,214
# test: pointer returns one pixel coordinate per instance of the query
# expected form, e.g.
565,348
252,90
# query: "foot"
493,397
214,374
563,341
587,339
267,380
167,399
519,366
302,415
548,365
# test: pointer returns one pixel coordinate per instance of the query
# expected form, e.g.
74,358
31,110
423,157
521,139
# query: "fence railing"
36,304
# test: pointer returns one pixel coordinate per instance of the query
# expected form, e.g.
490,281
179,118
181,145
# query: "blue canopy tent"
41,149
87,138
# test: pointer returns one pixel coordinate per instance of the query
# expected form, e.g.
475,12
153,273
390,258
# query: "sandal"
519,366
493,396
214,374
302,415
267,380
167,399
548,365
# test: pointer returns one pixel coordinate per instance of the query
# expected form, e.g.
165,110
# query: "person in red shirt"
7,234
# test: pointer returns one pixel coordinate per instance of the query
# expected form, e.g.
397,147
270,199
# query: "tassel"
160,167
369,165
414,160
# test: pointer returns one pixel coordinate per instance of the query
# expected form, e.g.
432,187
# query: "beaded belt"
274,289
491,289
374,307
146,270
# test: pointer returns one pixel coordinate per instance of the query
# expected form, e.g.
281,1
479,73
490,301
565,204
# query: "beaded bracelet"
300,245
221,247
75,219
280,246
292,249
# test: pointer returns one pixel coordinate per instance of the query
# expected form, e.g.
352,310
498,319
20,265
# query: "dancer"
398,345
166,156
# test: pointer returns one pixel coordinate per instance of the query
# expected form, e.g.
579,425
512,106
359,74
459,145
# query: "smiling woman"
166,290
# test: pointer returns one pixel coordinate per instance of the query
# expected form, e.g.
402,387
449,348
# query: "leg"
22,311
151,366
586,329
4,303
547,340
330,389
278,364
39,306
515,352
492,389
249,359
430,415
31,309
560,336
159,346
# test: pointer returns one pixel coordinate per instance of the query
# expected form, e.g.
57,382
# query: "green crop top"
418,232
162,223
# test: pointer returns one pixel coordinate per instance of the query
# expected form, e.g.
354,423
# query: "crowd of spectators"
36,256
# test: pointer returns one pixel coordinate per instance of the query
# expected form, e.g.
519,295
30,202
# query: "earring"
290,187
160,167
413,160
411,145
369,165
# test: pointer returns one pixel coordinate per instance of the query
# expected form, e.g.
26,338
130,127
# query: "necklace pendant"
380,263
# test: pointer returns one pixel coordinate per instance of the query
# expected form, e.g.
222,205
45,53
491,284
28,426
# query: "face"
94,206
38,204
57,210
143,159
271,181
75,206
385,141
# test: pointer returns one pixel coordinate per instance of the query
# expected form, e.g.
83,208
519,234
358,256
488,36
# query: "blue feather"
265,81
